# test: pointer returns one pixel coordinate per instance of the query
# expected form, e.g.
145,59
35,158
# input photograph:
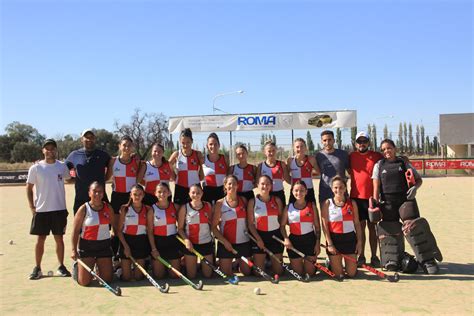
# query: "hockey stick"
391,278
315,262
232,280
163,289
283,264
180,275
117,291
257,268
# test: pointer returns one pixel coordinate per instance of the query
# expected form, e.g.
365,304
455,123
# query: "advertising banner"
263,121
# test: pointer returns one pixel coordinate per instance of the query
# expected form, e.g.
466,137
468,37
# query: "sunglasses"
362,141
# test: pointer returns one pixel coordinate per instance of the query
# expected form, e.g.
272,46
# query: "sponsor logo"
466,164
384,171
433,164
116,169
262,120
149,173
60,177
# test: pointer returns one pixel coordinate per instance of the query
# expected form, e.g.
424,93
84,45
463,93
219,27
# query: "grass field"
447,203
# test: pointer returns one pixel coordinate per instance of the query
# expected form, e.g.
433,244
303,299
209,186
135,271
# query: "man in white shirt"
48,205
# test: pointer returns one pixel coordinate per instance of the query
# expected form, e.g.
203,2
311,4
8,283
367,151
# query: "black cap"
50,141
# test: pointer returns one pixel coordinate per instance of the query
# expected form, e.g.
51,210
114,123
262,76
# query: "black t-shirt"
90,167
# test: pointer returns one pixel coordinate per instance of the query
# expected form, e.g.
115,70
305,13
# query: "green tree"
19,132
422,136
417,138
24,151
400,137
66,145
373,135
405,136
410,139
385,131
310,143
107,141
6,146
436,148
353,136
427,146
338,138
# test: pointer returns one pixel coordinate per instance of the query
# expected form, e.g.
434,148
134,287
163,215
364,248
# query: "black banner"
13,176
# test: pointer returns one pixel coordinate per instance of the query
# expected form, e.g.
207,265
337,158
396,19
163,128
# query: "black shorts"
270,243
169,247
247,195
363,208
303,243
344,243
118,199
44,222
204,249
94,248
280,195
243,249
212,194
139,246
181,195
310,196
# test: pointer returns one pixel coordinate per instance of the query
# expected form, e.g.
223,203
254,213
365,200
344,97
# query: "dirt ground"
447,203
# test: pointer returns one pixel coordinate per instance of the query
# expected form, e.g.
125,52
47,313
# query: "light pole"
214,109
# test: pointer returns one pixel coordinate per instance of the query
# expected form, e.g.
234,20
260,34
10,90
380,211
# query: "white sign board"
263,121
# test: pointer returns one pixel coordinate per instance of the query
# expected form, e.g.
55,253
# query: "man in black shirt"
88,164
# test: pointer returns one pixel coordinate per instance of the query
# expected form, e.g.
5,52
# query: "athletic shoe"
430,267
360,261
62,271
36,274
375,262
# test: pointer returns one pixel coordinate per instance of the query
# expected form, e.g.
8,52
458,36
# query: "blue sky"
68,65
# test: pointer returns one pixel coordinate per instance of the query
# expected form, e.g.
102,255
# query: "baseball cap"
49,141
87,130
362,134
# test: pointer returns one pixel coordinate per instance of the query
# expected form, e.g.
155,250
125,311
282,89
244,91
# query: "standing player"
87,165
275,170
187,162
153,172
244,172
301,167
214,169
362,164
48,205
331,162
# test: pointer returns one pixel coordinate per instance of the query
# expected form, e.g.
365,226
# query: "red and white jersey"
153,176
198,227
301,221
266,214
301,172
125,175
187,169
135,223
96,223
341,219
164,221
275,173
214,172
245,177
234,222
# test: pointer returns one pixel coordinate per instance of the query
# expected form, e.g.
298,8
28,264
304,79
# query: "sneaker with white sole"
63,271
36,274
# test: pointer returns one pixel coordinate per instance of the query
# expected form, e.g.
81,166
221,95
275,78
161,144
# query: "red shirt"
361,166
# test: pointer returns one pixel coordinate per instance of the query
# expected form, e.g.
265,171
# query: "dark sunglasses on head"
362,141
